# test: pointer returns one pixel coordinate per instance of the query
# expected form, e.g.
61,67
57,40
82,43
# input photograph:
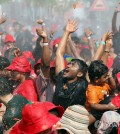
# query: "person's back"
13,111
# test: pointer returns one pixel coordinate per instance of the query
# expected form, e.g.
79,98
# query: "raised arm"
45,52
114,19
73,49
71,27
107,49
99,52
2,19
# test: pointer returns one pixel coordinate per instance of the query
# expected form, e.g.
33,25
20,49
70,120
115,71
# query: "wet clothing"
45,89
27,89
95,94
74,94
14,111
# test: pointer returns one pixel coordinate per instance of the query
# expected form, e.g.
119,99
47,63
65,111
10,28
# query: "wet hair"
6,86
4,62
96,70
82,66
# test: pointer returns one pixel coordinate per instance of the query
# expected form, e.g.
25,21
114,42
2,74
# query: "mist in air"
55,13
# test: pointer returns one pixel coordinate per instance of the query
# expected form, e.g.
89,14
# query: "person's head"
9,41
36,119
75,69
20,68
5,86
97,72
37,67
17,26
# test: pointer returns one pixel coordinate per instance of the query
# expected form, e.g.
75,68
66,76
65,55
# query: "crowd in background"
62,83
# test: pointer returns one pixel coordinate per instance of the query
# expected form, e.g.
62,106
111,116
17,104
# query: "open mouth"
66,70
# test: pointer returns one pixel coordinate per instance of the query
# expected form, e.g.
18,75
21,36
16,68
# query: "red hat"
52,63
56,41
20,64
28,54
35,119
9,38
51,106
116,101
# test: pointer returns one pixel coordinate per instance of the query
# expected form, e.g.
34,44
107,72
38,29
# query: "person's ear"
80,74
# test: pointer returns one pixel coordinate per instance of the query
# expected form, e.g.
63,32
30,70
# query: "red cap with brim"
20,64
35,119
116,101
51,106
28,54
9,38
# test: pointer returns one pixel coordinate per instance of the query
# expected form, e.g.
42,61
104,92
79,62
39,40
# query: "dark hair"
82,66
4,62
6,86
96,70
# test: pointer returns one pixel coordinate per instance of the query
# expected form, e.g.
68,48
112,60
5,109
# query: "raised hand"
2,19
88,32
107,36
41,33
17,52
72,26
40,22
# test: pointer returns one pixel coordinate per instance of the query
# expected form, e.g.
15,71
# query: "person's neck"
5,99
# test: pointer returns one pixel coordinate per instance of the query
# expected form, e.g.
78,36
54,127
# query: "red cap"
52,63
20,64
116,101
51,106
9,38
35,119
56,41
28,54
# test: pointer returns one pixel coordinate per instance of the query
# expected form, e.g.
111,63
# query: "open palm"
72,26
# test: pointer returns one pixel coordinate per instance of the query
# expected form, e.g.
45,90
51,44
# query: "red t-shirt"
28,90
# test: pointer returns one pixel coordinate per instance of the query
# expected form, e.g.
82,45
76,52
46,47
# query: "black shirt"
74,94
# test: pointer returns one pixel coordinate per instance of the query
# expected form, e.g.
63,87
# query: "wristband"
106,51
43,24
89,37
103,43
45,44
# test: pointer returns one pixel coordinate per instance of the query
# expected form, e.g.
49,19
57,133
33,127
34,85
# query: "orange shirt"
95,94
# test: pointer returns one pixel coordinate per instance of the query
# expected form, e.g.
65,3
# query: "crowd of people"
67,85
